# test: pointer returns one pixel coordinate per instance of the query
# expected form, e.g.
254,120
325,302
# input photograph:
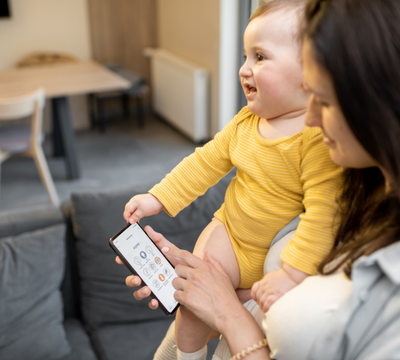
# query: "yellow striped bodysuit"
275,181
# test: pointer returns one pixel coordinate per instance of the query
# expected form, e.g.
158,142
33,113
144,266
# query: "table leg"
58,149
64,136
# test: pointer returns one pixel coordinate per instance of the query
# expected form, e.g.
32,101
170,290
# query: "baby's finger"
269,302
254,290
261,297
130,208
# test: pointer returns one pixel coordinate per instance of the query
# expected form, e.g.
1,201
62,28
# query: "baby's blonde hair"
268,7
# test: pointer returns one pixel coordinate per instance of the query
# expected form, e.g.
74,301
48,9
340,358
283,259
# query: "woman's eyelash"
321,103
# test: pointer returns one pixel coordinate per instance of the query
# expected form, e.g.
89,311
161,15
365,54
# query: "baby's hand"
141,206
273,285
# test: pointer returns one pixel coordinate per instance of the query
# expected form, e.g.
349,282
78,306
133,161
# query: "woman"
351,57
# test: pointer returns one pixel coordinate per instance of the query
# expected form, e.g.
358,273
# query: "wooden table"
61,81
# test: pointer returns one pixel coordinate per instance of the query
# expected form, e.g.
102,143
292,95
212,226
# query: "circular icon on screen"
147,272
156,283
137,260
161,277
143,255
157,260
166,271
152,266
149,250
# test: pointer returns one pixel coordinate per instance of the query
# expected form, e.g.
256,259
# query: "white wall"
190,29
228,65
47,25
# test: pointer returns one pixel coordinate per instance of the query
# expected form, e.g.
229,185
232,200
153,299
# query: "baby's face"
272,76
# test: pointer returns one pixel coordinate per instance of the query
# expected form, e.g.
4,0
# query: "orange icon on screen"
157,260
161,277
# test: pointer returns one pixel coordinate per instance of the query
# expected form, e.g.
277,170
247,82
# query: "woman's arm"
207,291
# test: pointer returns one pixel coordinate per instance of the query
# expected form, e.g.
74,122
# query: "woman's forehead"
316,77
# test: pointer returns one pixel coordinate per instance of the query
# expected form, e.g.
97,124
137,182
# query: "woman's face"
324,111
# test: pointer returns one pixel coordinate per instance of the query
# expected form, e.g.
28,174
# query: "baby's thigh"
216,241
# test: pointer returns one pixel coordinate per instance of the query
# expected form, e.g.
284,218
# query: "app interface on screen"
149,263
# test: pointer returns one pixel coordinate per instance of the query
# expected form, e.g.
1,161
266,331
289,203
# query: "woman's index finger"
183,255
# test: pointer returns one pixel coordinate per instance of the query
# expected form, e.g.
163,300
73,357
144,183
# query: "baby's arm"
141,206
196,173
274,284
314,236
188,180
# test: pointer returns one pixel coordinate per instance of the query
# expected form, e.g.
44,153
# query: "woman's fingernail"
165,249
146,292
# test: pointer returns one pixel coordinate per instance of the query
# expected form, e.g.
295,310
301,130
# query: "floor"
122,156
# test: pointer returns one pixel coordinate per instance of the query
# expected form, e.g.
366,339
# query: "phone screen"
149,263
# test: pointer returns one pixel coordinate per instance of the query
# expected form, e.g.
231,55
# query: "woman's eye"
320,102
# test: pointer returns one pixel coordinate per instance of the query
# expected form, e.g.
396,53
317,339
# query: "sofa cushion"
18,221
140,340
96,217
81,348
31,270
137,341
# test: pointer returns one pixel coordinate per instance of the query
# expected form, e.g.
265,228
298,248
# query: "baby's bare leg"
191,333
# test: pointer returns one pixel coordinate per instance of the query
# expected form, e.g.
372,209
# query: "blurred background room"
140,83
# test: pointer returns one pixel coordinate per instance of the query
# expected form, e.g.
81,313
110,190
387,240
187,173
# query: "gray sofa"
62,296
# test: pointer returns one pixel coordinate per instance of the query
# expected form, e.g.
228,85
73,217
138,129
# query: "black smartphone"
143,258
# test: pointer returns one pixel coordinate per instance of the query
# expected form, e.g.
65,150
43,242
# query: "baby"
283,169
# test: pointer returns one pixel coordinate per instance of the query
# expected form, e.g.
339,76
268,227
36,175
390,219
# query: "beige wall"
121,30
191,29
47,25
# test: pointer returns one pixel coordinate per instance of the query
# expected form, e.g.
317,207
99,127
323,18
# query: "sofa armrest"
15,222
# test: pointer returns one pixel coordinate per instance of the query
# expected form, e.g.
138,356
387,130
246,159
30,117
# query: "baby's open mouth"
250,89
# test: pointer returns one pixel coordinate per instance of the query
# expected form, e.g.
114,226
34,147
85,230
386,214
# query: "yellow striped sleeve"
197,172
322,181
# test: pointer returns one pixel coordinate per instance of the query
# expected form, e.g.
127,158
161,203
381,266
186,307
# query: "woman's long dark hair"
358,43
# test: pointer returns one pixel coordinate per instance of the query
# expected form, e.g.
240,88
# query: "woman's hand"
135,281
204,288
142,293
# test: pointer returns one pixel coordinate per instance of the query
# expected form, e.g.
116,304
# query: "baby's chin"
261,113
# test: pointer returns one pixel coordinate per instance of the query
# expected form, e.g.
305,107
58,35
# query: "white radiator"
180,93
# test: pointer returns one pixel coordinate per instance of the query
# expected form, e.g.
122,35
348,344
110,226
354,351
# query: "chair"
46,58
25,139
137,90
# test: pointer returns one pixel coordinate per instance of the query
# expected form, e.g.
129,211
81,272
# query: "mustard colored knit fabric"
275,181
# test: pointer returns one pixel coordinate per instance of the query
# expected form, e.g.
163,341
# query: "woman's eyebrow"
317,93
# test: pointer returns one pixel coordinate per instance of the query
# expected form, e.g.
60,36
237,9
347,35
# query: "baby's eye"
260,57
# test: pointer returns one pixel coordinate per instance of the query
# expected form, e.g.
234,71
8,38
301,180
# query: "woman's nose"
314,113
